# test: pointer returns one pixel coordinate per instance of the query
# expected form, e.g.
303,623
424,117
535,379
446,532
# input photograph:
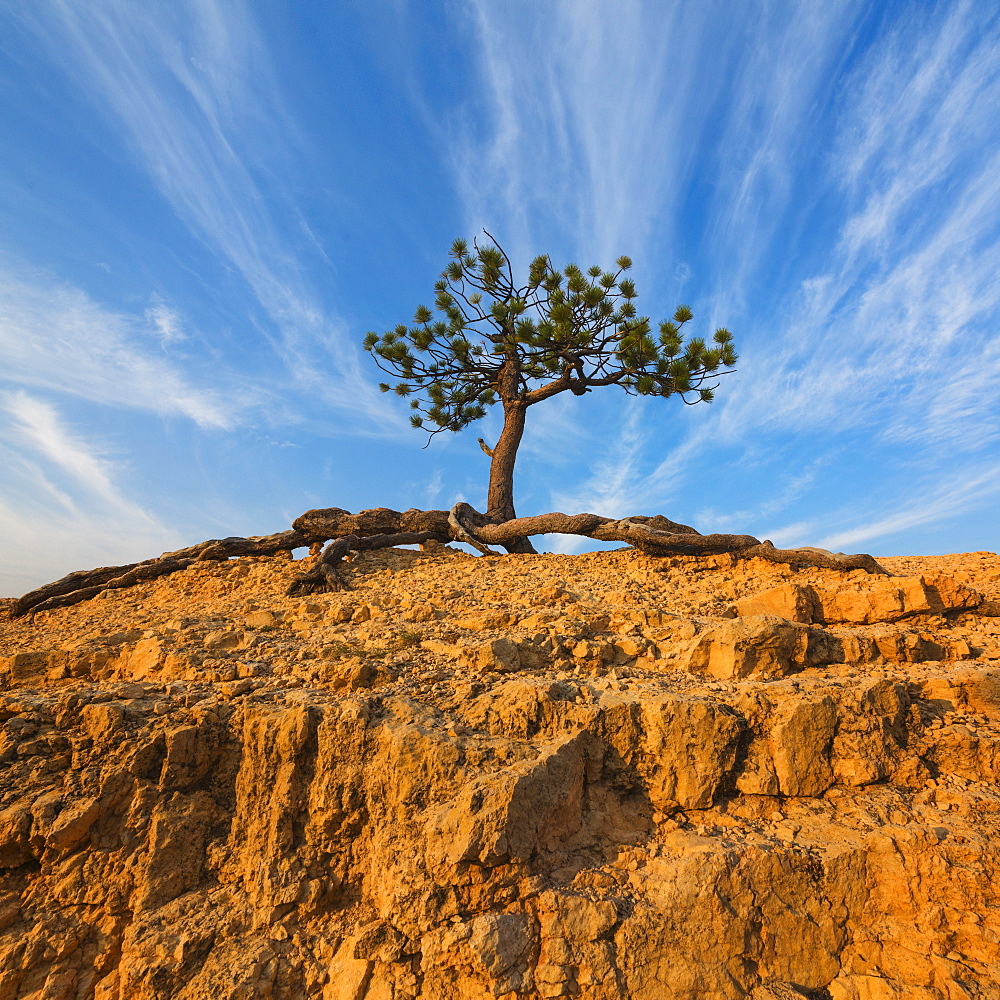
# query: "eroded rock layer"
608,776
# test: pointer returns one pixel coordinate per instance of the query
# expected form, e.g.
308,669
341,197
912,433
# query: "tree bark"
324,575
84,584
500,498
382,528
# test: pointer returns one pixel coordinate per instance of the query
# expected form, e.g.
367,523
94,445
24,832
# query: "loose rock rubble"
608,775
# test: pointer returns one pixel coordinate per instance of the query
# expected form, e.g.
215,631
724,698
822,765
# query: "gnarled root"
324,575
656,536
382,528
84,584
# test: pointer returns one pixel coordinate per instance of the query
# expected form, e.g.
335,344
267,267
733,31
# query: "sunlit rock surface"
605,776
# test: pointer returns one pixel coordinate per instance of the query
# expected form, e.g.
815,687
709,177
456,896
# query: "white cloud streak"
61,503
581,143
946,502
191,90
36,425
166,322
897,330
610,489
55,337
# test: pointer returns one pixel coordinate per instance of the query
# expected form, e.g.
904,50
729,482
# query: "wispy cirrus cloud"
55,337
898,323
61,499
850,170
594,126
166,322
36,427
571,132
894,336
944,501
190,90
611,488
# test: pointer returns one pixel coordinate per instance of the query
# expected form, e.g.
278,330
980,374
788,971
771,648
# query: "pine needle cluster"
490,339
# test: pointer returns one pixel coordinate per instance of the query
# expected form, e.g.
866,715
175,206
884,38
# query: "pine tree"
562,331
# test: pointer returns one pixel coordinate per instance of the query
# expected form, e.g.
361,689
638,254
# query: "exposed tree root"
382,528
325,576
656,536
84,584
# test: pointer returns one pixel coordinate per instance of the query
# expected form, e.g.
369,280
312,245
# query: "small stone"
222,639
260,619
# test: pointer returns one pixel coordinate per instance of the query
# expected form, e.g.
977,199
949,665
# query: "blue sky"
205,204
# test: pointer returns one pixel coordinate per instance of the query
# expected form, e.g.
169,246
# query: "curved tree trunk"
500,498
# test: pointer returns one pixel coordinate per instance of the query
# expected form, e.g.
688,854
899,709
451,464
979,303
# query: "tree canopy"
562,331
489,339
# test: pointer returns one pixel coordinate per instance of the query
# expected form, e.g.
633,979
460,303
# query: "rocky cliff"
608,776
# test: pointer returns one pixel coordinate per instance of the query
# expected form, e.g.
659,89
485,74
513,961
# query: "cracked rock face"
607,776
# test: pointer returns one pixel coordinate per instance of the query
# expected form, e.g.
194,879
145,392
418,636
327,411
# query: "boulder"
759,646
790,601
875,599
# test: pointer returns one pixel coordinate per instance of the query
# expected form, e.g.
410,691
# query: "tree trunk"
500,499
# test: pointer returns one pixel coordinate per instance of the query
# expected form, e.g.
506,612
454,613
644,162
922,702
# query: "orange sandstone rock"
877,599
526,777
